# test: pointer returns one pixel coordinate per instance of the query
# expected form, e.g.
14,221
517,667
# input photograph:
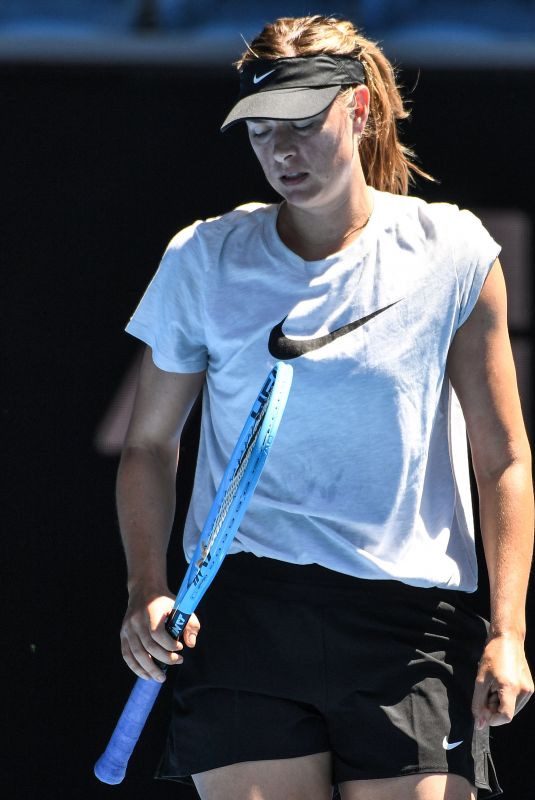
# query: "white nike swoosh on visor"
450,745
258,78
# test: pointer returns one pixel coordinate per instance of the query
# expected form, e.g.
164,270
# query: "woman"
336,646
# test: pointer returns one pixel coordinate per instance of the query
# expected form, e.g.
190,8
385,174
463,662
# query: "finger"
146,654
493,702
521,700
510,707
154,650
136,666
480,709
506,707
165,640
145,642
526,689
191,631
496,717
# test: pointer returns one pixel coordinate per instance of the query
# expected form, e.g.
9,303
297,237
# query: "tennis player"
337,644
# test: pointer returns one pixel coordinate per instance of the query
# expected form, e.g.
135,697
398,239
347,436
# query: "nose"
283,145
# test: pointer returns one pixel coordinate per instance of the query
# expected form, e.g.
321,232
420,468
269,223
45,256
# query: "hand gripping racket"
232,498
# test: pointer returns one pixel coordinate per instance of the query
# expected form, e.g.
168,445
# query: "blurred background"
109,144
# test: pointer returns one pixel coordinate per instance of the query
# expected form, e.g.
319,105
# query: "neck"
315,233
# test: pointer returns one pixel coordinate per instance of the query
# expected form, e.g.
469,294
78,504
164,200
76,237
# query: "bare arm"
481,369
146,507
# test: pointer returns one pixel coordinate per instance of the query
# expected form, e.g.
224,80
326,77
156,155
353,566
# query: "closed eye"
302,125
257,130
258,134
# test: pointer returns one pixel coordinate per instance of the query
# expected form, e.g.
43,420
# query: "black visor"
292,88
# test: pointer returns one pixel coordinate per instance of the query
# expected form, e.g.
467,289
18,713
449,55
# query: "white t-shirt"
369,472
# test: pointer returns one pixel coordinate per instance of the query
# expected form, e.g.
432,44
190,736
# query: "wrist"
147,584
512,632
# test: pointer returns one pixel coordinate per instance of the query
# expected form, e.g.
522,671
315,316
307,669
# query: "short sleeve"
474,252
169,317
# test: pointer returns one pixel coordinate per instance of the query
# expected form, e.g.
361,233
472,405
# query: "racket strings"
235,481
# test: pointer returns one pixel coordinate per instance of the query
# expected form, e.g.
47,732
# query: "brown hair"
388,165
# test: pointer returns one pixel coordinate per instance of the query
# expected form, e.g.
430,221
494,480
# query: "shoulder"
439,221
197,248
214,230
453,242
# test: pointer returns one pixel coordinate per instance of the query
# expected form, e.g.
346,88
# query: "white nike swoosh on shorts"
450,745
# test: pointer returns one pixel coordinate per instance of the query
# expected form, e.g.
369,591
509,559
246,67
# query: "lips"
292,178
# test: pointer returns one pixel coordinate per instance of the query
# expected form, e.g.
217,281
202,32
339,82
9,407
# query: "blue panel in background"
503,17
479,32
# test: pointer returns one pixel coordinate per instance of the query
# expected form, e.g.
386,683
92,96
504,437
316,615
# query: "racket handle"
176,622
111,766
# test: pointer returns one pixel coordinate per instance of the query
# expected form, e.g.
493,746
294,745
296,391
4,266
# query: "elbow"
514,461
139,454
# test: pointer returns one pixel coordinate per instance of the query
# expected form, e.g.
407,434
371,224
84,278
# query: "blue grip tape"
111,766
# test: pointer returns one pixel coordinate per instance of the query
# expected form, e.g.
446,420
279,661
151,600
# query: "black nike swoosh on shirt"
283,348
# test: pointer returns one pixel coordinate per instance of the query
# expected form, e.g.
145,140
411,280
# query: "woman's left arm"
482,372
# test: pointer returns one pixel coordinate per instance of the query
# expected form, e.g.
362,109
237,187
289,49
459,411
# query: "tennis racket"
232,498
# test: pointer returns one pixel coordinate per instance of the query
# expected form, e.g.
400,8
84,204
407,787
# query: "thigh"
214,729
305,778
250,690
403,688
410,787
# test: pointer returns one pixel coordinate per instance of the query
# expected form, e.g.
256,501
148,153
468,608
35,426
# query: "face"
311,162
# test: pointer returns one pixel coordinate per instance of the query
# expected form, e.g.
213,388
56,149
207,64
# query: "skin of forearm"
506,516
146,499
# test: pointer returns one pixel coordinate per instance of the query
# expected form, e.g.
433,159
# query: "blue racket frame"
222,523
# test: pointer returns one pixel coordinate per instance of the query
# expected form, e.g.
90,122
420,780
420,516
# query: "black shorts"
294,660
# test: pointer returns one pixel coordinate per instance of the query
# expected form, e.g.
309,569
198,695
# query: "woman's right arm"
146,483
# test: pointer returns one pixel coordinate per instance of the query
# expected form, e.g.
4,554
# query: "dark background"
99,167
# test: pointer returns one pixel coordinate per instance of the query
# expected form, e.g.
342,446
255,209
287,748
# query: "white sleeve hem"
161,359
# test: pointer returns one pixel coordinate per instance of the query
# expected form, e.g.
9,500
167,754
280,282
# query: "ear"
361,108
